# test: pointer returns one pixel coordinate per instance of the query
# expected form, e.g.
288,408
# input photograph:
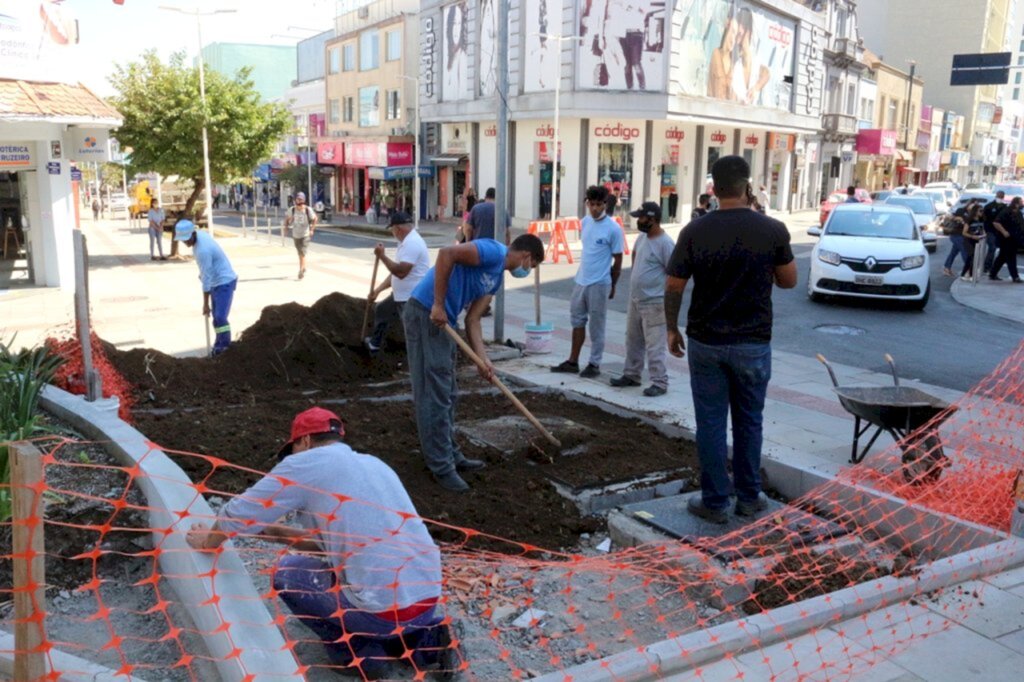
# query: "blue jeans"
992,242
729,379
220,306
304,583
956,246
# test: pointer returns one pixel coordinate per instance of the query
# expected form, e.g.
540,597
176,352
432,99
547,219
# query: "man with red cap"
364,551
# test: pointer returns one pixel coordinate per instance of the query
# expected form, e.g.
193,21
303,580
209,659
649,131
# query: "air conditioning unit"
364,12
398,131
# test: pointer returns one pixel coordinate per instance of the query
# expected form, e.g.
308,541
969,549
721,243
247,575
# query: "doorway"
16,192
458,191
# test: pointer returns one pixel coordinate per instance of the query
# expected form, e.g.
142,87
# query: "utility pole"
501,188
415,152
906,110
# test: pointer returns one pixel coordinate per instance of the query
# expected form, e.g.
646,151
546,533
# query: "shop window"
714,154
369,107
369,51
394,46
348,57
349,109
334,60
393,108
615,171
334,109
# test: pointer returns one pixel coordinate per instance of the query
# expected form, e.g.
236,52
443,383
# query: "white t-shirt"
412,250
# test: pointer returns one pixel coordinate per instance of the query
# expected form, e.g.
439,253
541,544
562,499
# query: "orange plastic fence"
524,611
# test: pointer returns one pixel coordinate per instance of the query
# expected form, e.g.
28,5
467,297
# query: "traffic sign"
985,68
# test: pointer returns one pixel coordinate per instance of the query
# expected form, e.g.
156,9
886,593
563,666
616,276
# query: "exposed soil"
238,407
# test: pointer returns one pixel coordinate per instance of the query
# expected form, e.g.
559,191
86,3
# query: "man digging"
464,277
412,260
363,564
217,276
302,221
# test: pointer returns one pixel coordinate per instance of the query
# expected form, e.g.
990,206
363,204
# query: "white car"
870,251
937,196
926,216
947,188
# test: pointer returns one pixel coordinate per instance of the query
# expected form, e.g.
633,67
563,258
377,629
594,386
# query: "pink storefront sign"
400,154
876,141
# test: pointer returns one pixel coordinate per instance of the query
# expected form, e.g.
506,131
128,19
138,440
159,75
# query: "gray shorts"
588,301
301,244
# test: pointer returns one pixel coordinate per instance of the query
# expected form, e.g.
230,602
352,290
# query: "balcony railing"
845,47
839,124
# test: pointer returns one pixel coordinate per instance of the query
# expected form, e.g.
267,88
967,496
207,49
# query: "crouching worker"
366,577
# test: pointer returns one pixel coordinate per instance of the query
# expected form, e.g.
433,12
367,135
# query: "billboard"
455,52
739,52
623,44
540,63
38,40
487,82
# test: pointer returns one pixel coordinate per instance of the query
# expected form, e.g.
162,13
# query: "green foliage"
163,120
297,177
22,377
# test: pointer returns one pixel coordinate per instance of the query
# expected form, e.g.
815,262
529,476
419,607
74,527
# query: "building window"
1020,60
1016,93
890,121
369,107
349,109
1021,46
335,111
394,46
334,61
393,108
867,109
348,62
851,99
1016,78
369,51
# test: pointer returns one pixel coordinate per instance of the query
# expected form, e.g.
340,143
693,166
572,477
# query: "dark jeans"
969,249
1007,256
992,242
304,584
729,379
220,307
384,313
956,242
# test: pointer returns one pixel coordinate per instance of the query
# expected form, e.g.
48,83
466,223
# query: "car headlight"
830,257
911,262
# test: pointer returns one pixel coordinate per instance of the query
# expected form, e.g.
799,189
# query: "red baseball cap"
312,421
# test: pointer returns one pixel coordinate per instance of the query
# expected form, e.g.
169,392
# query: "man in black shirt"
991,211
734,256
1010,226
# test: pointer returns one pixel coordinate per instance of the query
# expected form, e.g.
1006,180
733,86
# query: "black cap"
649,209
399,218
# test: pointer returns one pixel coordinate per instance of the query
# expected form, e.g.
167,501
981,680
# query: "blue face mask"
521,272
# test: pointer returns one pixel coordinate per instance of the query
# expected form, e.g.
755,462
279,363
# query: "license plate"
873,280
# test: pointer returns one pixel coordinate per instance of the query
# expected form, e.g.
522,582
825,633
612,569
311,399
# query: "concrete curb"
981,304
69,666
239,632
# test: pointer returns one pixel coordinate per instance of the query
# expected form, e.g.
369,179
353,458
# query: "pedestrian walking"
95,209
482,218
973,233
645,321
464,277
156,217
955,230
991,211
1010,226
734,256
217,277
763,198
462,234
366,581
302,220
412,260
600,265
703,206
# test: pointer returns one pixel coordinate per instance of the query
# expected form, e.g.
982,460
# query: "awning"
448,159
398,172
904,155
910,169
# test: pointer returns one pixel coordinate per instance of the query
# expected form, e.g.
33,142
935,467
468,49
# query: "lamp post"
416,152
198,14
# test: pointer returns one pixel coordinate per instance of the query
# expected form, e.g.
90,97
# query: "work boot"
624,381
464,465
452,482
695,505
654,391
567,367
591,371
370,345
752,508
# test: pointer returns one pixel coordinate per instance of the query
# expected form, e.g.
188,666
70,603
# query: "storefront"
783,177
672,149
360,190
330,156
536,161
876,149
453,171
616,160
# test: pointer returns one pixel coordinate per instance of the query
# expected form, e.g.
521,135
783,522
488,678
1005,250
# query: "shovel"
206,325
373,285
504,389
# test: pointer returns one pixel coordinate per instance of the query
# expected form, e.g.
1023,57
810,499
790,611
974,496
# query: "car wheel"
919,305
931,248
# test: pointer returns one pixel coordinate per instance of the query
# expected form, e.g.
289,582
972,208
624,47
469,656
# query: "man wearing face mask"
645,323
464,277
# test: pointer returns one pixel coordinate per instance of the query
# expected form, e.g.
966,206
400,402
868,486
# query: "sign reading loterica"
16,156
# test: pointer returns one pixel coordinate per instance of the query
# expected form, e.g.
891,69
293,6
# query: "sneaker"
370,346
591,371
752,508
695,505
965,278
452,482
624,381
470,465
302,273
1017,280
567,367
654,391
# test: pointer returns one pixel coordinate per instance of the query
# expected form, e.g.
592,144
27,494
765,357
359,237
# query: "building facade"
273,66
650,96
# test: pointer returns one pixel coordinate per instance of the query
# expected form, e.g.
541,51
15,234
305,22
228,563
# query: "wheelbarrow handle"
892,366
831,373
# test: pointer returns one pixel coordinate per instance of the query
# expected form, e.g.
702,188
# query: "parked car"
925,216
871,251
973,194
1012,189
938,197
881,196
836,198
947,188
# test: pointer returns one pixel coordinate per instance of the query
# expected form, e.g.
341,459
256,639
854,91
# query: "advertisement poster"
623,46
488,70
38,38
369,107
455,53
741,52
540,65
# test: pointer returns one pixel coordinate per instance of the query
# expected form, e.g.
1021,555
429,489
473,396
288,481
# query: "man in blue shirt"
600,264
464,277
218,278
851,195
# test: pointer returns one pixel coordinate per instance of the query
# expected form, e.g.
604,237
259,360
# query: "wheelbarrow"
901,412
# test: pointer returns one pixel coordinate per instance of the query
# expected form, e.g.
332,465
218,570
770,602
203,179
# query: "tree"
163,121
297,177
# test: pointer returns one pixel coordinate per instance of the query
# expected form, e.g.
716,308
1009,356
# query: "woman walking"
973,232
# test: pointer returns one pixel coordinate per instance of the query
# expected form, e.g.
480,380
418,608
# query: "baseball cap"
183,230
399,218
312,421
648,209
300,195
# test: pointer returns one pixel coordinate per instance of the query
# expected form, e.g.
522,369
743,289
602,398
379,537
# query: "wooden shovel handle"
471,354
373,285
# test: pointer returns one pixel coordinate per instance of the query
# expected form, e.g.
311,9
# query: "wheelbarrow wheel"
923,460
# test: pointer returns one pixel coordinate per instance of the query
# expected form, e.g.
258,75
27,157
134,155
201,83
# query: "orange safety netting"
513,611
71,375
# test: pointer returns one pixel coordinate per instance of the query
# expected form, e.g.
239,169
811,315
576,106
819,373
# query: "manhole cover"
841,329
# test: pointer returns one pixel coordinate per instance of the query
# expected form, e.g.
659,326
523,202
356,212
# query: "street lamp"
416,152
556,155
198,14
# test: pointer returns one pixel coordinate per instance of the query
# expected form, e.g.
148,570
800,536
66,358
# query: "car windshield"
919,204
878,224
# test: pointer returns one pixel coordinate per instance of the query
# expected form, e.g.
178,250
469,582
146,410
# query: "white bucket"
538,338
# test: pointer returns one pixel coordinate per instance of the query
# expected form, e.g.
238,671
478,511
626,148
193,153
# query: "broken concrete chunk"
530,618
605,545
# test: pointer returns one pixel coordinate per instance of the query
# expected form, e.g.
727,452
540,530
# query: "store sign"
89,144
674,133
366,153
330,153
427,45
781,143
876,141
16,155
751,141
617,131
491,131
53,167
400,154
545,131
399,172
38,40
717,138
